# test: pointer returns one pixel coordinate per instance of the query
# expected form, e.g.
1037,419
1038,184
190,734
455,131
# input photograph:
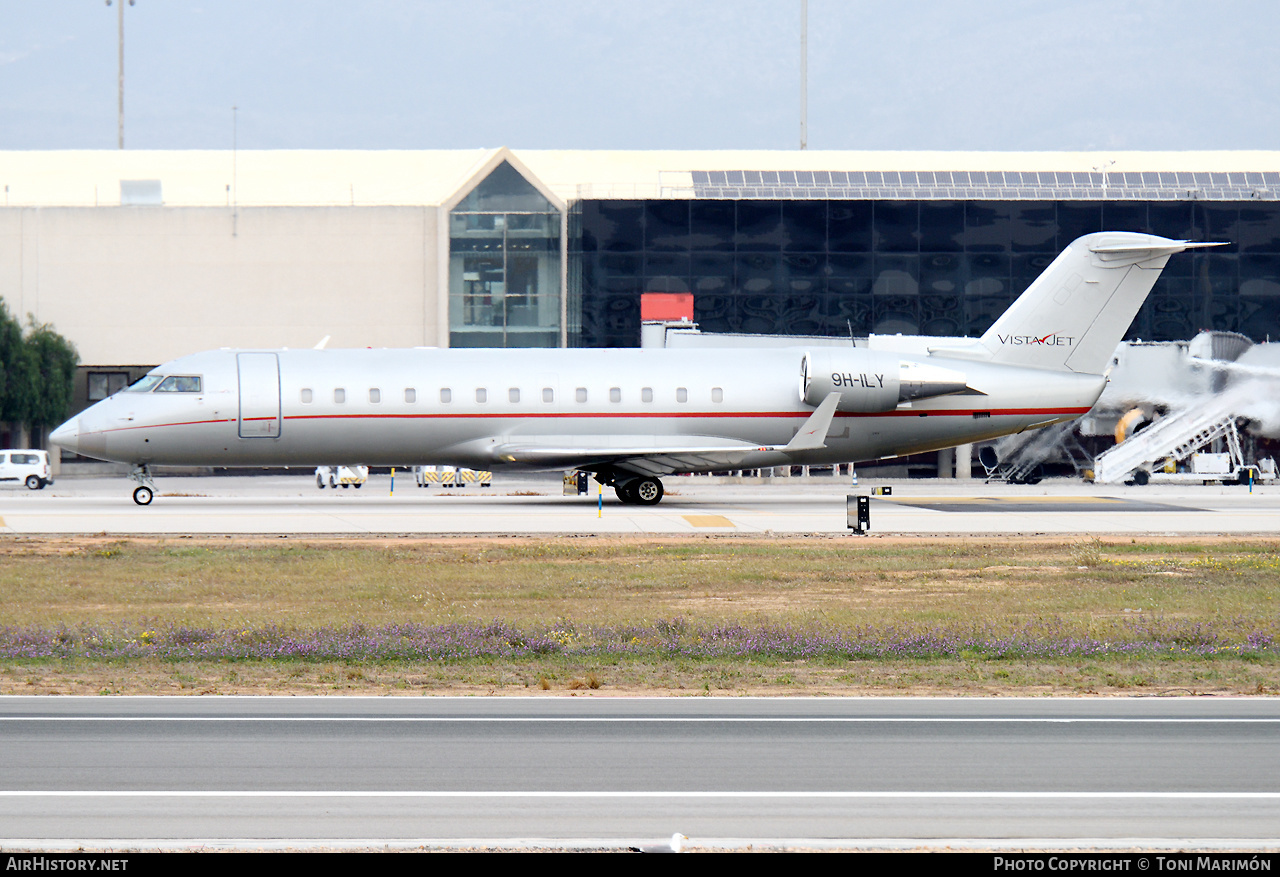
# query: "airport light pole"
120,77
804,74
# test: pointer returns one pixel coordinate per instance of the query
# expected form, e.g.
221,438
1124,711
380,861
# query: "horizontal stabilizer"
1168,250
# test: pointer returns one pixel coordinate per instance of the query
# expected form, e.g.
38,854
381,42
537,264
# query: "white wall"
141,285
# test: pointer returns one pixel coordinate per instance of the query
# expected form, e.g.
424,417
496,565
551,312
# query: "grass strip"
792,615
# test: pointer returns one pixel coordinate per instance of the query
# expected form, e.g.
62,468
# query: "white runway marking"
764,720
744,795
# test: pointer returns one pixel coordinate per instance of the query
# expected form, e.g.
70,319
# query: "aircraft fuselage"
464,407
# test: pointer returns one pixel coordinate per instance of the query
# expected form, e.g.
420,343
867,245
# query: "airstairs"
1175,437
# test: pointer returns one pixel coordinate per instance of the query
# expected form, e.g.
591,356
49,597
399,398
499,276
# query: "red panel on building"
666,306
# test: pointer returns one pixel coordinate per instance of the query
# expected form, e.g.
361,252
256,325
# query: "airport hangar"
139,256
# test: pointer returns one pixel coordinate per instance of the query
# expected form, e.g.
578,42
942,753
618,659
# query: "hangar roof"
302,178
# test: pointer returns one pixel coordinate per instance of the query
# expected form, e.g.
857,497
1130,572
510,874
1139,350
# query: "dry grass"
1093,586
594,581
552,678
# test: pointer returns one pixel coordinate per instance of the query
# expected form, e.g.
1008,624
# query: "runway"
535,506
610,772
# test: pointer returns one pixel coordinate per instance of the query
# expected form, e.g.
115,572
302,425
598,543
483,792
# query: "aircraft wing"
666,454
652,460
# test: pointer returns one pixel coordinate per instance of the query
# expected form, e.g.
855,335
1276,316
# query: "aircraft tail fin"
1074,314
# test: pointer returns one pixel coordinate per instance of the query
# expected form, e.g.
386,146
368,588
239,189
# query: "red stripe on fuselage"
159,425
1000,412
996,412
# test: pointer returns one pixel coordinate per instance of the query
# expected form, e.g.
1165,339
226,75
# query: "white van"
28,467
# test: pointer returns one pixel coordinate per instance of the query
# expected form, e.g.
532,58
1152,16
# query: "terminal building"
141,256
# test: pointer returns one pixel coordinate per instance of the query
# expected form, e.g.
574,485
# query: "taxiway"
694,505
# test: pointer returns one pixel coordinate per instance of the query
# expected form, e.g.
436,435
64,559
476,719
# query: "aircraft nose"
67,436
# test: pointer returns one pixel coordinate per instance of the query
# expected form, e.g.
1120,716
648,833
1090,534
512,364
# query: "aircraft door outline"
259,385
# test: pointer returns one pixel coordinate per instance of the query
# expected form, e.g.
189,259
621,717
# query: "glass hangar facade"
836,253
910,266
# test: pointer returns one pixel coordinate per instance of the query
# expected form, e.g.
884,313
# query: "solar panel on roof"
994,185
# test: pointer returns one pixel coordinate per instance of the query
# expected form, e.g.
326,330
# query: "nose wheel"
146,489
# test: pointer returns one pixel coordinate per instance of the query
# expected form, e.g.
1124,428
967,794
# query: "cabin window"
306,397
375,395
646,394
481,394
513,395
581,394
179,384
446,395
717,394
615,394
548,395
410,395
340,395
682,395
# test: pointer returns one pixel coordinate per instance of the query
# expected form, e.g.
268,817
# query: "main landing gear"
639,491
146,489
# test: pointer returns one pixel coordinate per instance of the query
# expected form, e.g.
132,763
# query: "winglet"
813,433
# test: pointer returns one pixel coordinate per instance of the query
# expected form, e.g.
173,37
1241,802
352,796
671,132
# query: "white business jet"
631,416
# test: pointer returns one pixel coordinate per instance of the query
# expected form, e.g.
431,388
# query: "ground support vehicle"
345,476
26,466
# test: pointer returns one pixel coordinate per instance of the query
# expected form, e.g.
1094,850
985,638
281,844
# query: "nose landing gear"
146,489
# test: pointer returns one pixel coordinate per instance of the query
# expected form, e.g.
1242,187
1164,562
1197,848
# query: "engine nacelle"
870,381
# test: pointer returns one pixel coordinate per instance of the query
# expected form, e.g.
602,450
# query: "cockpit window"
179,384
145,384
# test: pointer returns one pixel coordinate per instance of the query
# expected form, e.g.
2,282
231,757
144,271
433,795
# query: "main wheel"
142,495
625,494
647,491
34,482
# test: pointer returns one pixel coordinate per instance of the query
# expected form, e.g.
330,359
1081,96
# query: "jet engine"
872,381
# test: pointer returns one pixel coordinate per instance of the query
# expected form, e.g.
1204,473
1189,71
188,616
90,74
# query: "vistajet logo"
1053,339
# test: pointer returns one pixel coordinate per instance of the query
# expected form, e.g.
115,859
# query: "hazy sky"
657,74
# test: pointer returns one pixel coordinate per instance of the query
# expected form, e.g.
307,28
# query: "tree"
15,370
52,362
37,373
